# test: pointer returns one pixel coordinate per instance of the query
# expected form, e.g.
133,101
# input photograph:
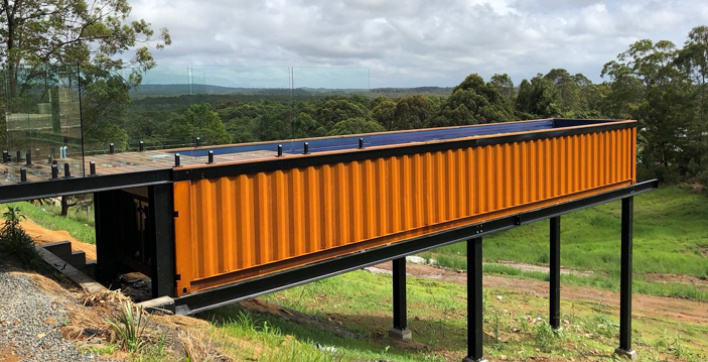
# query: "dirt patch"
540,269
703,250
7,355
642,305
678,278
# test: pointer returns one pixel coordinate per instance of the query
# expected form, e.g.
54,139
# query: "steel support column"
162,247
474,301
107,266
625,345
400,318
554,298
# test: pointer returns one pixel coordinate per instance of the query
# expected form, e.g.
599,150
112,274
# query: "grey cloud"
417,42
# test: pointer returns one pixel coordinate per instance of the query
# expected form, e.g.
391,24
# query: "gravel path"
30,322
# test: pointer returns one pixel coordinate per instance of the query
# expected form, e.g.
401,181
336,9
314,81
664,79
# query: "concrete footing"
631,354
404,335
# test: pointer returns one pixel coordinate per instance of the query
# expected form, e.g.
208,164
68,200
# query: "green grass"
48,217
515,325
670,237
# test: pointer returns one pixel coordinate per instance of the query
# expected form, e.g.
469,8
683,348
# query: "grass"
47,216
670,237
515,326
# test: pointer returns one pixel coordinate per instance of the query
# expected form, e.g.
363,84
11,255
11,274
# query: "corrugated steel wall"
232,228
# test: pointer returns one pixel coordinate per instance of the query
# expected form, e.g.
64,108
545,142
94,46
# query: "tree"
538,99
660,97
692,60
413,112
337,109
505,86
473,102
568,92
355,126
37,33
384,113
200,121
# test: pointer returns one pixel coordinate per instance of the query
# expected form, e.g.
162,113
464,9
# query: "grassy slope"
48,217
514,325
670,237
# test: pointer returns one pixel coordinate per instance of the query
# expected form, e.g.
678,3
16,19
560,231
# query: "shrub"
130,327
14,240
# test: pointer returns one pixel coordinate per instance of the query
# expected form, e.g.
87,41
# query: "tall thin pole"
554,297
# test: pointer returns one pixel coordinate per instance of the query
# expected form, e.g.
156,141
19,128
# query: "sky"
404,43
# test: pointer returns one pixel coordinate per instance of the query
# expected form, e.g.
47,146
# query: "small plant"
546,337
130,327
14,240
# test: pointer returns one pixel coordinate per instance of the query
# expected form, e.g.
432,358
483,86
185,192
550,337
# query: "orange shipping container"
249,218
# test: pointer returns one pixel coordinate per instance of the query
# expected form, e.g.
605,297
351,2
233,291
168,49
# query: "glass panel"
43,121
178,109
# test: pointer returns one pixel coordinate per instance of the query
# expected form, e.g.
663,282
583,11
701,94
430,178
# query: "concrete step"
62,249
90,269
77,259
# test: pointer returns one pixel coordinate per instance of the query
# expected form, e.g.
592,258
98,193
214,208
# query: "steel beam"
400,318
554,297
83,185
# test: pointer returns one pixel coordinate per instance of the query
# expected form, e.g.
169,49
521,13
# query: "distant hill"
171,90
404,92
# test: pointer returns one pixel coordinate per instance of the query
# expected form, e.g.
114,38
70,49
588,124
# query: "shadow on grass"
362,335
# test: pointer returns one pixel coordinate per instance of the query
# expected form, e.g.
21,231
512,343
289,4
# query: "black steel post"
361,143
112,148
177,163
67,172
625,345
55,170
280,150
23,174
474,301
554,298
400,317
210,157
162,246
197,142
107,237
306,147
141,146
19,156
5,156
28,157
92,168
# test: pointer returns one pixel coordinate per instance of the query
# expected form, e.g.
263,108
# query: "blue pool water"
384,139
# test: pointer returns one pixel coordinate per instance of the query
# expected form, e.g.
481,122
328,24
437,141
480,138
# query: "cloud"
416,42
